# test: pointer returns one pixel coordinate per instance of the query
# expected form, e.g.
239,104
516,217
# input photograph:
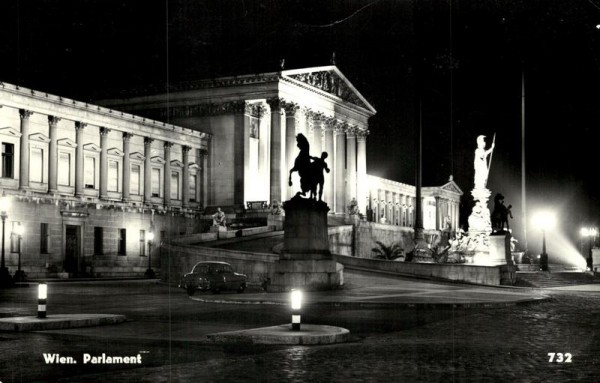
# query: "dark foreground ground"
395,343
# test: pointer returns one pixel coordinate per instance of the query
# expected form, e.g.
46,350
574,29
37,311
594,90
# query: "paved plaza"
401,330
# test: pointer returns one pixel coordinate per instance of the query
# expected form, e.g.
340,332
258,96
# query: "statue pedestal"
275,220
500,249
305,262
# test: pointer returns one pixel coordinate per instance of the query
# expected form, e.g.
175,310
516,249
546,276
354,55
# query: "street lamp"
591,233
19,274
5,278
544,221
150,273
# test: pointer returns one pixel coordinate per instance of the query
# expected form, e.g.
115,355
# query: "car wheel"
191,290
241,288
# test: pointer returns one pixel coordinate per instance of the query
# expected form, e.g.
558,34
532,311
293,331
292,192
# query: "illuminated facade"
253,121
88,183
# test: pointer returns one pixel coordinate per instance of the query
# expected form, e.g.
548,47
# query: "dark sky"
467,55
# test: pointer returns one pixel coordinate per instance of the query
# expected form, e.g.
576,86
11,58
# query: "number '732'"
559,357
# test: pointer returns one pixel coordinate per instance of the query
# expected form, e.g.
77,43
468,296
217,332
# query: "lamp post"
5,278
544,221
150,273
591,233
19,274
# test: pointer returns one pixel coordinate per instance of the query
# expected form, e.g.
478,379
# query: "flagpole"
523,193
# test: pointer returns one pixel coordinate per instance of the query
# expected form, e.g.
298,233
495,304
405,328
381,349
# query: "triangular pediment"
193,166
66,142
39,137
329,79
115,152
177,163
451,186
137,156
92,147
157,160
9,131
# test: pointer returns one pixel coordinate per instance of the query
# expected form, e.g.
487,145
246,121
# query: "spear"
491,154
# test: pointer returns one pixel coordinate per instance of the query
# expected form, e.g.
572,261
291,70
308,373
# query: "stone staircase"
544,279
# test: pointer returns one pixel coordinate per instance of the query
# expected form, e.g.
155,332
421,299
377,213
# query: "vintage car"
213,276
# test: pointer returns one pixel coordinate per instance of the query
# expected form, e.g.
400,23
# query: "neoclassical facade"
253,121
394,203
88,184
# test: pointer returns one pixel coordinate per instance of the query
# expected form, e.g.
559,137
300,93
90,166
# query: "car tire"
191,290
241,288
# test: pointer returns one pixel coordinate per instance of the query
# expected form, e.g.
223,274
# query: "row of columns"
344,144
389,205
126,176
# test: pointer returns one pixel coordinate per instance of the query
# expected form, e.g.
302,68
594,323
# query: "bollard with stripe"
296,298
42,295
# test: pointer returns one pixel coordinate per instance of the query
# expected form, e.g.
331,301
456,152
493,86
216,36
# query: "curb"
309,335
374,305
58,322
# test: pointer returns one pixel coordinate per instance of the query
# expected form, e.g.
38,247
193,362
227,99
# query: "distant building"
90,183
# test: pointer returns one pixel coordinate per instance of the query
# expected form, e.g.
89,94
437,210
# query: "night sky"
464,58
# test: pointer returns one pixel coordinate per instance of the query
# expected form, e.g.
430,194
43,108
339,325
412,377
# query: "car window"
200,269
227,269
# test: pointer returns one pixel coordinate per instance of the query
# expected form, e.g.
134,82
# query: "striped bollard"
42,295
296,298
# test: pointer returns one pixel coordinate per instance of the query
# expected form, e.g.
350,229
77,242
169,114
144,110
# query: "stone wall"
484,275
370,232
341,240
177,260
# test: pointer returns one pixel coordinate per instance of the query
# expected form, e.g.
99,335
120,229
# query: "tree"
388,252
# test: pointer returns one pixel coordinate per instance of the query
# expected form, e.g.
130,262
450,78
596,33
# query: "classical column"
351,163
340,154
148,170
167,176
329,187
317,142
126,166
277,150
79,126
53,154
24,156
438,214
291,125
361,169
309,128
185,184
103,162
202,177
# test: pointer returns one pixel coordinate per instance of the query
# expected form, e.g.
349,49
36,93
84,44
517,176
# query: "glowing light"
544,220
150,236
19,230
588,232
296,298
42,291
4,203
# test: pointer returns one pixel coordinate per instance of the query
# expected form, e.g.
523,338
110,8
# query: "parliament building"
89,183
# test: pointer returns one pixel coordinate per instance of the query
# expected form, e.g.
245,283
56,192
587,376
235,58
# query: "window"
174,185
44,237
155,182
8,151
64,169
142,243
36,164
192,188
113,176
89,168
134,186
122,242
98,240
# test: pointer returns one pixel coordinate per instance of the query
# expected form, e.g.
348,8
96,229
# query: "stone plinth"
305,227
275,220
500,249
306,262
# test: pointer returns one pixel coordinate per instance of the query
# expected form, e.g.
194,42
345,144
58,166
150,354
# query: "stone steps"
543,279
